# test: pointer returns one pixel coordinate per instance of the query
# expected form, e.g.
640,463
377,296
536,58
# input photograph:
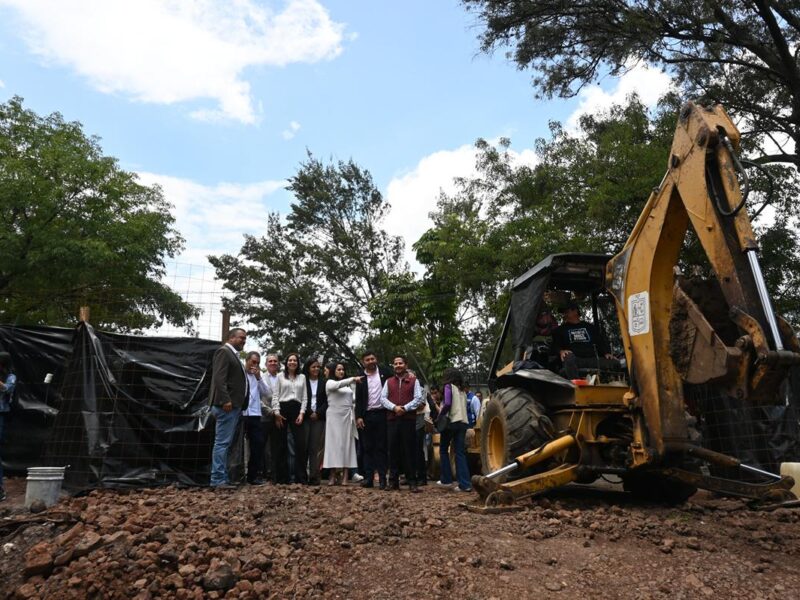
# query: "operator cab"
537,299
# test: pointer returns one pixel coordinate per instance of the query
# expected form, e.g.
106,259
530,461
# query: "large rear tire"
514,422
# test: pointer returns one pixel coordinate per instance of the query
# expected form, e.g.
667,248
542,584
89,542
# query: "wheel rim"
496,438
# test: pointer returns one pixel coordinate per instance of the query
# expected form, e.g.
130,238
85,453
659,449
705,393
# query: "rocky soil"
349,542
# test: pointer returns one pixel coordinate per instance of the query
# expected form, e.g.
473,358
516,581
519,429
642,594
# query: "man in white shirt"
252,418
273,363
371,421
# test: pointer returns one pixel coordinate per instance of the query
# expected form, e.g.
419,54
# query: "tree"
741,53
308,284
584,194
79,230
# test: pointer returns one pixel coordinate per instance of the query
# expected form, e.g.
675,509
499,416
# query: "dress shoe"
257,482
382,485
367,484
224,486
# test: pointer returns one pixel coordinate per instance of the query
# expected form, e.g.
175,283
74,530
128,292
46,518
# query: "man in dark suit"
228,396
371,420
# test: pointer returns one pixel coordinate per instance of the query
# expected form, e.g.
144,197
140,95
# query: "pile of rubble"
349,542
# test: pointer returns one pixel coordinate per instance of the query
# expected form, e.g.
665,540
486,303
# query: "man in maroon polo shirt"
401,396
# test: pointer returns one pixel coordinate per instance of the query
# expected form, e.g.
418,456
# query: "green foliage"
741,53
584,194
307,285
78,230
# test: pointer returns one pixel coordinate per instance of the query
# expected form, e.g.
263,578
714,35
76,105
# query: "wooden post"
83,314
226,324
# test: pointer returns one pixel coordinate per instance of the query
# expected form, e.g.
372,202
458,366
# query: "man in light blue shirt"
252,413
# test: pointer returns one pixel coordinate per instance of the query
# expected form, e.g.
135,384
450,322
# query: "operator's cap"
570,305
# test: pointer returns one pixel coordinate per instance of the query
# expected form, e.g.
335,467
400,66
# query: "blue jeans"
223,436
455,434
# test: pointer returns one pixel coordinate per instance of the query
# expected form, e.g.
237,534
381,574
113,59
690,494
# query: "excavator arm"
658,319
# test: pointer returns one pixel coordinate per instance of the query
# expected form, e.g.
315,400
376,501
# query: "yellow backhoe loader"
540,430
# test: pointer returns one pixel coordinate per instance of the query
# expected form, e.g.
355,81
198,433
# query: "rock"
552,586
219,577
348,523
284,551
69,535
667,545
87,543
693,543
506,566
39,559
63,558
27,590
173,582
187,570
38,506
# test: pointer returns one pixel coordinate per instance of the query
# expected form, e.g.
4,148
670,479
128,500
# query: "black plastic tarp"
121,409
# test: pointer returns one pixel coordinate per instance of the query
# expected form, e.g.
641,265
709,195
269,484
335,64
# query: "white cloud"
291,131
414,195
2,85
168,51
649,83
213,218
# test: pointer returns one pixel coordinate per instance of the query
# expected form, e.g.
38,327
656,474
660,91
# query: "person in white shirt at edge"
340,424
315,417
289,405
401,397
271,378
253,426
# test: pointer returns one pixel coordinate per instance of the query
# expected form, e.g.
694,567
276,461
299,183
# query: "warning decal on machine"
639,313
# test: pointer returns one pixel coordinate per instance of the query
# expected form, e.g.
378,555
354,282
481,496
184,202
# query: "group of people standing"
310,410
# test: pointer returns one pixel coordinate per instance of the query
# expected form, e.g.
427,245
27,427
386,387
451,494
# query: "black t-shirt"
581,338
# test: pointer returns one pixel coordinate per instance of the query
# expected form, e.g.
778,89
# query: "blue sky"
218,101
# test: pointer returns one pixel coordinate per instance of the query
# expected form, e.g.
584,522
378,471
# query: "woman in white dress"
340,424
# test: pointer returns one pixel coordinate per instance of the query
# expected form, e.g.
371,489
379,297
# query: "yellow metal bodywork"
641,276
642,280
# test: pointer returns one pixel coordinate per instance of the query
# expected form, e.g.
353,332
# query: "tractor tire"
513,423
654,487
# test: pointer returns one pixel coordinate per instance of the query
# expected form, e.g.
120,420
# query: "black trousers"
374,442
280,446
402,434
255,437
420,466
316,444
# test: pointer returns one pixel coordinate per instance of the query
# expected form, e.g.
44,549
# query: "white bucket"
44,483
792,469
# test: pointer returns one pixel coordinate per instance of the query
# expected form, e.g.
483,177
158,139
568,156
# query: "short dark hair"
233,331
251,353
367,353
401,357
434,387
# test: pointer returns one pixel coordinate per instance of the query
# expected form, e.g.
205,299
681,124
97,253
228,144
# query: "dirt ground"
349,542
